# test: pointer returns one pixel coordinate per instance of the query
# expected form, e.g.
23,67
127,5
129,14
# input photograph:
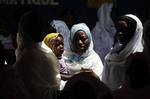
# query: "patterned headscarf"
49,39
63,29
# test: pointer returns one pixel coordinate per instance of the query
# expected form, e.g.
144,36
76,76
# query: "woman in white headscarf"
128,41
104,31
62,28
81,55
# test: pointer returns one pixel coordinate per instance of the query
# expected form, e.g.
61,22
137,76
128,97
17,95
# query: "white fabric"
114,66
49,51
104,31
37,72
62,28
88,60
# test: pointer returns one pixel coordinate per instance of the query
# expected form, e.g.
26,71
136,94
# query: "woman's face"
58,47
81,42
124,33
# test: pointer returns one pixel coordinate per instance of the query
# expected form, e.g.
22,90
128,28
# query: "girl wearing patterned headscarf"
81,55
63,29
55,42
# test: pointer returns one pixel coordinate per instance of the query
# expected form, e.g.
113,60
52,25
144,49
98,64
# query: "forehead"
80,34
60,37
128,20
56,39
122,23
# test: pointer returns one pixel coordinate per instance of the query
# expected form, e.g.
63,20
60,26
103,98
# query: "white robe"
37,71
104,31
114,66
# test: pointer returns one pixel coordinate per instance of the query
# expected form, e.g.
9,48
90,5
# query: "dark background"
79,9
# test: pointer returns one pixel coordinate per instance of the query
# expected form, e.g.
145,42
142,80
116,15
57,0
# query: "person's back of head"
137,72
146,36
32,27
85,85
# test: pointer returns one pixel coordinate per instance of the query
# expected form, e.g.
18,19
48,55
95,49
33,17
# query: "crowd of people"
110,61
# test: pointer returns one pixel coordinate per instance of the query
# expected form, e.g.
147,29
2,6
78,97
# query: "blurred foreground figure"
85,85
37,69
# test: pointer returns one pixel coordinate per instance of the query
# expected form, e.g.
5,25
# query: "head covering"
114,66
88,60
104,30
48,40
81,27
134,45
62,28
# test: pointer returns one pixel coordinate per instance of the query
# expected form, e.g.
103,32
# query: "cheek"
87,42
75,43
57,50
53,49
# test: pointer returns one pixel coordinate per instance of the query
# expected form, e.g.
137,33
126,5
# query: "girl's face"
81,42
58,47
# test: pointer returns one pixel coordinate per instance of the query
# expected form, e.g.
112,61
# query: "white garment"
37,72
62,28
104,31
114,66
49,51
88,60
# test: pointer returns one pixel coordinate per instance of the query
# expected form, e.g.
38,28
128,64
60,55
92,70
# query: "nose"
61,47
80,42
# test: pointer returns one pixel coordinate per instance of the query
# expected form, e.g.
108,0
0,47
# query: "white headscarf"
114,66
83,27
134,45
104,30
89,59
62,28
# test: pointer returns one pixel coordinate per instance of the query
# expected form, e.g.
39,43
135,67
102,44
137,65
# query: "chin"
81,52
59,57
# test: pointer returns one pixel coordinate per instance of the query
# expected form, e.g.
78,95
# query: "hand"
86,70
